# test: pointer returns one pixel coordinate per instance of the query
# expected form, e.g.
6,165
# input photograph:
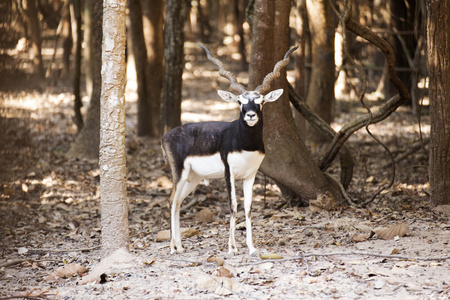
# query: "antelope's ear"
273,96
227,96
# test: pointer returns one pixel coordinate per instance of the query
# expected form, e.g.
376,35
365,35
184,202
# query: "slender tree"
139,50
153,12
31,13
113,183
438,43
87,142
78,119
176,11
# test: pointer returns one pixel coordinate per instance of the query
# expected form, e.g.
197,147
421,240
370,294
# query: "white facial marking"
259,100
251,118
243,100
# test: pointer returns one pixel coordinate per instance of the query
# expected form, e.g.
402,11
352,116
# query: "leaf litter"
50,223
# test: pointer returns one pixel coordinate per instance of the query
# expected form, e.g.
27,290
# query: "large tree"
438,30
112,161
287,160
321,87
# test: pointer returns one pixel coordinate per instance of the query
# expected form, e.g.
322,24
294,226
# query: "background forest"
353,192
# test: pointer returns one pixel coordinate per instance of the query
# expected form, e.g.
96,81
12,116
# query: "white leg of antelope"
232,249
175,236
184,188
248,194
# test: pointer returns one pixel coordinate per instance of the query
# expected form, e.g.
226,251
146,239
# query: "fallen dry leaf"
220,285
223,272
359,238
219,260
395,251
67,271
323,202
164,182
270,256
205,215
164,235
391,232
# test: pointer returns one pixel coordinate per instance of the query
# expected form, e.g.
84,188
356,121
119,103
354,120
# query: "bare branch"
385,110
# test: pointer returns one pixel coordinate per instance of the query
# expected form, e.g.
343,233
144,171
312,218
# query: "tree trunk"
438,43
112,162
31,13
153,12
287,160
300,59
321,87
176,11
88,50
145,122
87,143
78,118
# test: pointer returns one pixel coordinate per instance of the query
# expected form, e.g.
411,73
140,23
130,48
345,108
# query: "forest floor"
50,215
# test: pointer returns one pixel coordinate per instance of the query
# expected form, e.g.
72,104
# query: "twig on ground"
304,255
38,250
21,260
345,254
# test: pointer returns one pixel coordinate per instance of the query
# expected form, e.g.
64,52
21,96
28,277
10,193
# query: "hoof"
176,249
253,252
233,251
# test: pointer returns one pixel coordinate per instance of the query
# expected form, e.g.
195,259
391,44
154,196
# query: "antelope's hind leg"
183,188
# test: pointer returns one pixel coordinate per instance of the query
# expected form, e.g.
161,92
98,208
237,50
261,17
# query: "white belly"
207,167
244,164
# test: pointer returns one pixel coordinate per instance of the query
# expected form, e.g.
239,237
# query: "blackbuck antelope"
233,150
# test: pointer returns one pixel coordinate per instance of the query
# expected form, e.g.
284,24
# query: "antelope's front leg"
232,249
248,195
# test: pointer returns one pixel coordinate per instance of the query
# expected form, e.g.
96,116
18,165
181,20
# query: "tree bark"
78,118
321,87
176,11
287,160
113,183
88,50
31,13
300,59
139,50
87,142
153,12
438,44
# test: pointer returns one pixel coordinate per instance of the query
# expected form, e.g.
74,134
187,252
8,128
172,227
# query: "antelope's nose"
251,115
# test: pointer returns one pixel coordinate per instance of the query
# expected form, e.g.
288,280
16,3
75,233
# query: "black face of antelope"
233,150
